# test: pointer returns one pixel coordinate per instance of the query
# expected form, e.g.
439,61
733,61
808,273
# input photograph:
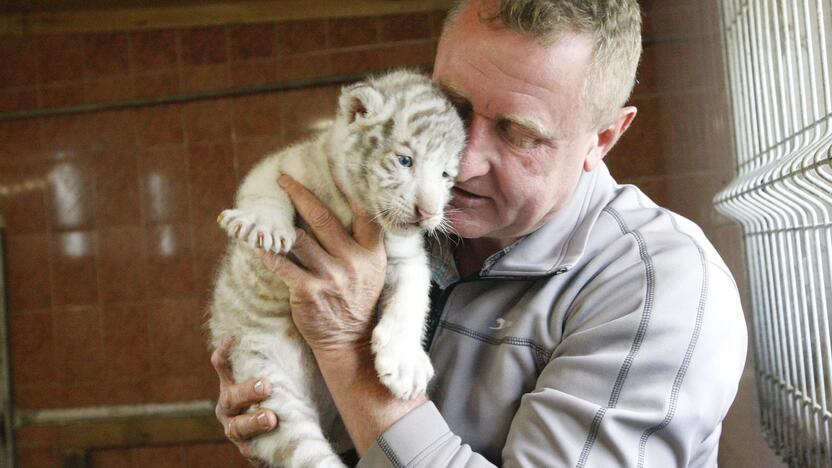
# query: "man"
576,323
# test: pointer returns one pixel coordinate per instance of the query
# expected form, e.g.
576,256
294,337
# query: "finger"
309,253
287,270
326,227
220,361
246,426
365,231
234,398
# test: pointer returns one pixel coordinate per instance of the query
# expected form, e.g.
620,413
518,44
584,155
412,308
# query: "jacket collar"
554,248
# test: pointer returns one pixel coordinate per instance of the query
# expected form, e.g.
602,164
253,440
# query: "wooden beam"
181,16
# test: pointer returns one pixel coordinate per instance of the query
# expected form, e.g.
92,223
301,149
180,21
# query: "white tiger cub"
394,147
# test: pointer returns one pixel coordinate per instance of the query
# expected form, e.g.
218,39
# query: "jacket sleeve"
646,370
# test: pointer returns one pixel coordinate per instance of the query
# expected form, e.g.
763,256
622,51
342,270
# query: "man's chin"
466,225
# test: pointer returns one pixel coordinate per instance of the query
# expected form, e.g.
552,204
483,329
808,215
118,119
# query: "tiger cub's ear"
360,103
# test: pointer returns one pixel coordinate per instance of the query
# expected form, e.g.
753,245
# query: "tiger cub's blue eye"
405,161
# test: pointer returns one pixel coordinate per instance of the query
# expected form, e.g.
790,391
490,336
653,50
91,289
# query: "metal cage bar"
777,55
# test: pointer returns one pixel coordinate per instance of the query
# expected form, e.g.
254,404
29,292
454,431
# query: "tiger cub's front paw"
257,230
402,367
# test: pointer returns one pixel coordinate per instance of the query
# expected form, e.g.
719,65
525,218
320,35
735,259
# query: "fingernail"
262,388
265,420
283,180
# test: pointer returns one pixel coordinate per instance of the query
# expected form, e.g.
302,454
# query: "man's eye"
517,136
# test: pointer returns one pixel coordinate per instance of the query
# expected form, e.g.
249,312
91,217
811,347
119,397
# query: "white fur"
253,305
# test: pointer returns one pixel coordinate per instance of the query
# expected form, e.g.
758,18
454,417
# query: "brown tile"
105,54
207,78
212,180
87,393
112,458
115,130
164,186
358,62
294,37
22,53
178,346
127,340
251,41
405,27
409,55
62,95
170,262
182,388
304,66
113,88
252,73
207,121
18,99
349,32
40,396
159,457
257,115
159,125
38,457
60,58
20,139
68,134
249,151
27,270
437,22
130,392
32,346
117,201
679,65
24,203
70,200
153,50
156,84
210,242
307,107
74,270
203,46
36,436
646,74
122,265
78,344
214,455
639,152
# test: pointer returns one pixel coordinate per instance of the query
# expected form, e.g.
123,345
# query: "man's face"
528,136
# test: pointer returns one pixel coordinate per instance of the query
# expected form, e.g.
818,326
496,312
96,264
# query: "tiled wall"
110,216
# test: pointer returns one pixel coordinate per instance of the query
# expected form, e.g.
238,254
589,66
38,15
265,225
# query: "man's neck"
470,254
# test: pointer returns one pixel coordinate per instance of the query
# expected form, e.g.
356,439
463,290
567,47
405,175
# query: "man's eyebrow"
451,91
530,124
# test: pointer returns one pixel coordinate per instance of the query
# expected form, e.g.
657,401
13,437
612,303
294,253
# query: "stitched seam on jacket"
637,340
541,354
431,448
391,455
683,369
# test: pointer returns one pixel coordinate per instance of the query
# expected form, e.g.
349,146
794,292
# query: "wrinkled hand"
235,398
334,279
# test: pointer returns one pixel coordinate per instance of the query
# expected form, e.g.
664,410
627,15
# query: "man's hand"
235,398
336,279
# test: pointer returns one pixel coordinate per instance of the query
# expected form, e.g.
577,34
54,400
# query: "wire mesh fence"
778,59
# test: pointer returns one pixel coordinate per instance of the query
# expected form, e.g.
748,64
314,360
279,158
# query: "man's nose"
474,162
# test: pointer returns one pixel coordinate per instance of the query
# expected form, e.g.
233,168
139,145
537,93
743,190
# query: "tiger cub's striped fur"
394,146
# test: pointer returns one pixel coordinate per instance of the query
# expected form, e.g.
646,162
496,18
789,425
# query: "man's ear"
608,136
360,103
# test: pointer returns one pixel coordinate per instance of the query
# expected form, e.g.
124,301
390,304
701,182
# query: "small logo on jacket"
502,323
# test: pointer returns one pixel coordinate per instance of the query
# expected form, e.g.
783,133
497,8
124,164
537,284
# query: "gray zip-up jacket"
613,336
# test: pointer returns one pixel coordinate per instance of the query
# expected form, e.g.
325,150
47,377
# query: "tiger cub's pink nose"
423,214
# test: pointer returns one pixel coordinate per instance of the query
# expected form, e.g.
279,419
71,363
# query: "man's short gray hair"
615,26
